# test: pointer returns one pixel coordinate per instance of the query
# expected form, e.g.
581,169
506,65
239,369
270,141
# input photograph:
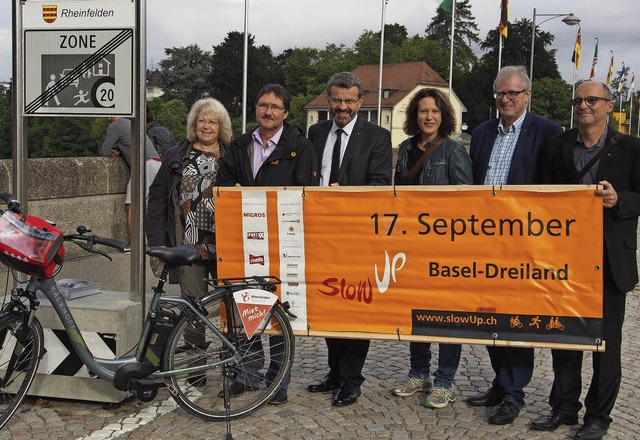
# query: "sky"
283,24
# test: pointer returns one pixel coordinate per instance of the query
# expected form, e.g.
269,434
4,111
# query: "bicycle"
194,347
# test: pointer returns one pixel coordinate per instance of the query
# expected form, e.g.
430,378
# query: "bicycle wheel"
265,361
20,354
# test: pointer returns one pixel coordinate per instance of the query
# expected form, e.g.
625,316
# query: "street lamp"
569,19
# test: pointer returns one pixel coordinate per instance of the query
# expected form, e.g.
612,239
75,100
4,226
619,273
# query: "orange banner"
490,265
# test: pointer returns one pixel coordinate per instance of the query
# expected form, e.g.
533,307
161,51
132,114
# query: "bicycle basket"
30,244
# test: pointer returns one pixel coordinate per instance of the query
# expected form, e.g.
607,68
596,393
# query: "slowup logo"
49,13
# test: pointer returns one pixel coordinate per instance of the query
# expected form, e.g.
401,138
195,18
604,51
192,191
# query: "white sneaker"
439,397
412,386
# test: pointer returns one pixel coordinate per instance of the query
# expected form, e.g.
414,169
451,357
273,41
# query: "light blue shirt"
502,152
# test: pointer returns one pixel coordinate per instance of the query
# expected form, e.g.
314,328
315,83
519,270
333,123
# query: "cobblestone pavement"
377,415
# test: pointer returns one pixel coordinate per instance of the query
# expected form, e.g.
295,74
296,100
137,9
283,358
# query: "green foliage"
171,114
298,116
225,79
551,98
185,72
61,137
422,49
5,127
516,49
466,34
367,46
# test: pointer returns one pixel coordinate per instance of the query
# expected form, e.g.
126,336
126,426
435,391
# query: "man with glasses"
505,151
274,154
592,154
351,151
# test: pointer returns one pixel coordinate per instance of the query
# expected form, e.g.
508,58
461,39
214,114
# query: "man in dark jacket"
351,151
505,151
274,154
612,161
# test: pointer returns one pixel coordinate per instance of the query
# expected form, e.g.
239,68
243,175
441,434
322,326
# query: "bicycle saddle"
175,256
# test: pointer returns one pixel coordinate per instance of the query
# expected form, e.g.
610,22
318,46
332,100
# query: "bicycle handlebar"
94,239
12,204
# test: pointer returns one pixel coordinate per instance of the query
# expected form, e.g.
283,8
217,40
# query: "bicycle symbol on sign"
554,323
515,322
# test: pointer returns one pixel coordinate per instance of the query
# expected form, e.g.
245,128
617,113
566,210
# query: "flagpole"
453,26
384,2
630,115
576,57
245,65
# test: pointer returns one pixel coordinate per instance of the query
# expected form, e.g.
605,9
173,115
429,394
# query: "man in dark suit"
352,151
505,151
616,170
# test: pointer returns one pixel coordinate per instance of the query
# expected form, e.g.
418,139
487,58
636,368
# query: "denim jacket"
449,164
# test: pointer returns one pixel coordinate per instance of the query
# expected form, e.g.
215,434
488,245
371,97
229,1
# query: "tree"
62,137
419,48
301,70
226,75
516,49
171,114
5,127
466,34
185,73
367,46
551,98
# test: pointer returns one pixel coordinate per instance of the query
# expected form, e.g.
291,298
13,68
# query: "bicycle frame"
106,368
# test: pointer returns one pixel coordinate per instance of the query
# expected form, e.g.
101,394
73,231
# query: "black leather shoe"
346,395
552,421
326,385
489,398
590,431
237,388
279,398
505,414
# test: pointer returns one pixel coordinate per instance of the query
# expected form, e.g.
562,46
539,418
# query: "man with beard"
274,154
351,151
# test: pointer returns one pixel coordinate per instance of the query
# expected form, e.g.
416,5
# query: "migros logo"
362,290
49,13
254,214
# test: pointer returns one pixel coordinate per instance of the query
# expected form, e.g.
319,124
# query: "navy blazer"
367,159
533,135
620,166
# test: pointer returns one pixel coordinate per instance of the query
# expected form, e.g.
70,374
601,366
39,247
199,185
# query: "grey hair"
211,107
345,80
508,72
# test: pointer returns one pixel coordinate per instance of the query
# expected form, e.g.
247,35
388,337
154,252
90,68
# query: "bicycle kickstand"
227,404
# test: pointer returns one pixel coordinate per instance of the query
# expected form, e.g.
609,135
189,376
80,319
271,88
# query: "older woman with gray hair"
181,205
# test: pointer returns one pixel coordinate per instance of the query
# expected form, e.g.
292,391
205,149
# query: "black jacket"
292,163
367,159
162,209
620,166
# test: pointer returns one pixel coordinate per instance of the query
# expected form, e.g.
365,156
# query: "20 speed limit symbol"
103,92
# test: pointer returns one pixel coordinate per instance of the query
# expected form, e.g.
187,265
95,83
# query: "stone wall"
87,191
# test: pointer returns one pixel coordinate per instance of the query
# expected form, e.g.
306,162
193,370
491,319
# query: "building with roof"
399,83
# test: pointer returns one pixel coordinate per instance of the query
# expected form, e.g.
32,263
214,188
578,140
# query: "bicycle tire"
17,370
200,394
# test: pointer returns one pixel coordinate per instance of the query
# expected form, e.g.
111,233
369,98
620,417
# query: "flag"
446,6
595,62
631,86
623,74
577,49
608,81
504,18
